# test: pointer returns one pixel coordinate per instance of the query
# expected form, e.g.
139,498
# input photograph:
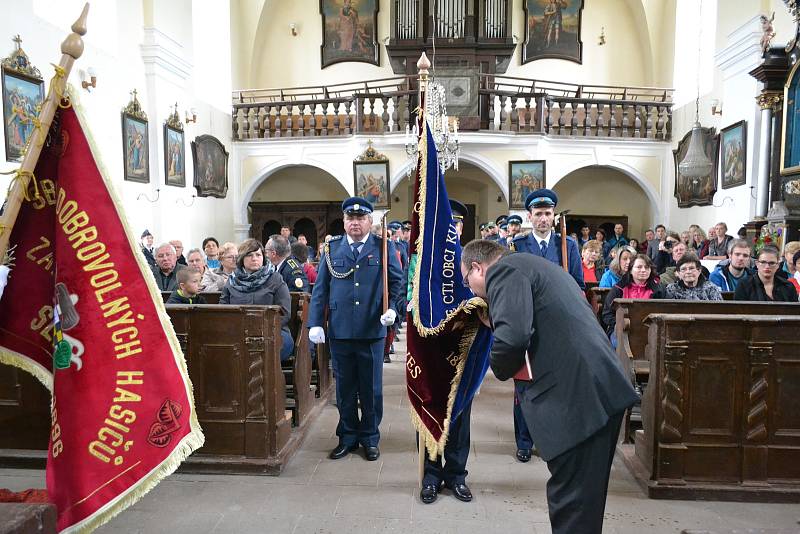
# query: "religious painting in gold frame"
349,31
23,94
790,139
371,178
552,30
135,142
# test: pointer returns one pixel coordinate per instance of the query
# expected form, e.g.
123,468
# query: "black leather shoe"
461,492
429,492
386,359
341,451
372,453
524,455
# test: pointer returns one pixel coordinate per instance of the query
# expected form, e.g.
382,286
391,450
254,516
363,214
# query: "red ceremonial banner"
82,313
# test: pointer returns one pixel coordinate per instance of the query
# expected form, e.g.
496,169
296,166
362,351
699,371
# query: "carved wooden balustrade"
507,104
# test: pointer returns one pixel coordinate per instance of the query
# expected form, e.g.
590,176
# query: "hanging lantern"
696,164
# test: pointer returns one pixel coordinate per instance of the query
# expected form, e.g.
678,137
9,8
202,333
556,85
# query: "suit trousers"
576,491
456,452
521,433
358,369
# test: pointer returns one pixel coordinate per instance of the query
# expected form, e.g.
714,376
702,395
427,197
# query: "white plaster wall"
604,191
197,32
736,52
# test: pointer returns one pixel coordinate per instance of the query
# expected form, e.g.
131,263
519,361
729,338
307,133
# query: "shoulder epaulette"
335,238
519,236
293,263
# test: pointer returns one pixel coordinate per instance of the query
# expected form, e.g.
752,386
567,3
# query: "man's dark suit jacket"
578,382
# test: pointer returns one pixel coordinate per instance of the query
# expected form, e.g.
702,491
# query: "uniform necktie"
543,247
356,249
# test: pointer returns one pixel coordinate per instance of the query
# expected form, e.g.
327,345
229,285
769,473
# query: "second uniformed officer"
350,286
279,253
546,243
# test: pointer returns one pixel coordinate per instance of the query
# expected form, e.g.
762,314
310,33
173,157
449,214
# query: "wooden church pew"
720,413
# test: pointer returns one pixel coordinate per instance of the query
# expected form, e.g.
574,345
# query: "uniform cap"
541,198
357,206
146,233
459,210
514,219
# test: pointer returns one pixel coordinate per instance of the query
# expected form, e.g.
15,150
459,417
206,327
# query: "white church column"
766,101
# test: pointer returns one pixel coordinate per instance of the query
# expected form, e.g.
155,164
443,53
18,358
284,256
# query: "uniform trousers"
521,433
456,452
358,369
576,491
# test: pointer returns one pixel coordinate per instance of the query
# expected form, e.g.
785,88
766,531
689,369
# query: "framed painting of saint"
174,156
349,31
210,166
135,142
733,155
372,182
524,177
23,93
552,30
696,191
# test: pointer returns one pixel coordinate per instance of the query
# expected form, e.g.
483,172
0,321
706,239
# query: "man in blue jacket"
728,273
350,286
545,243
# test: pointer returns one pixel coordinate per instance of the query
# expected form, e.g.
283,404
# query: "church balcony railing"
506,104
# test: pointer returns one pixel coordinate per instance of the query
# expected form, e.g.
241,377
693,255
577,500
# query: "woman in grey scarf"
255,283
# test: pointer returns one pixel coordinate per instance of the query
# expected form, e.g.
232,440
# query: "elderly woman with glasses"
252,282
691,283
215,279
764,285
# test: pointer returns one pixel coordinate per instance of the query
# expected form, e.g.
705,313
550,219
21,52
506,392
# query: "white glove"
387,319
3,278
316,335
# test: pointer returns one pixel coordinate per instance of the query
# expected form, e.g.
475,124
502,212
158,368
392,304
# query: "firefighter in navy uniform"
543,241
514,228
279,252
451,471
350,286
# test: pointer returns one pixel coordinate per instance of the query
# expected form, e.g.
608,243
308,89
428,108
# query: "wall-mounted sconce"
89,79
514,39
601,40
190,118
386,40
293,29
716,107
158,192
500,197
396,198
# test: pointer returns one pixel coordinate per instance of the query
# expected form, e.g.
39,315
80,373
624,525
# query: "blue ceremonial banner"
448,346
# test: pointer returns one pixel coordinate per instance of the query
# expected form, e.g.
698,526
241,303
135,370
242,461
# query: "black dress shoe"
429,492
524,455
341,451
386,359
461,492
372,453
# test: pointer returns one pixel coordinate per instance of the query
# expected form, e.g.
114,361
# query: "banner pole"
71,49
385,266
421,447
564,253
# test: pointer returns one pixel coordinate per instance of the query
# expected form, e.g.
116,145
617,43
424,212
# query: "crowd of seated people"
667,264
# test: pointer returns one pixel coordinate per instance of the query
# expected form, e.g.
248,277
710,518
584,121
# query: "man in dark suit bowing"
350,286
577,391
